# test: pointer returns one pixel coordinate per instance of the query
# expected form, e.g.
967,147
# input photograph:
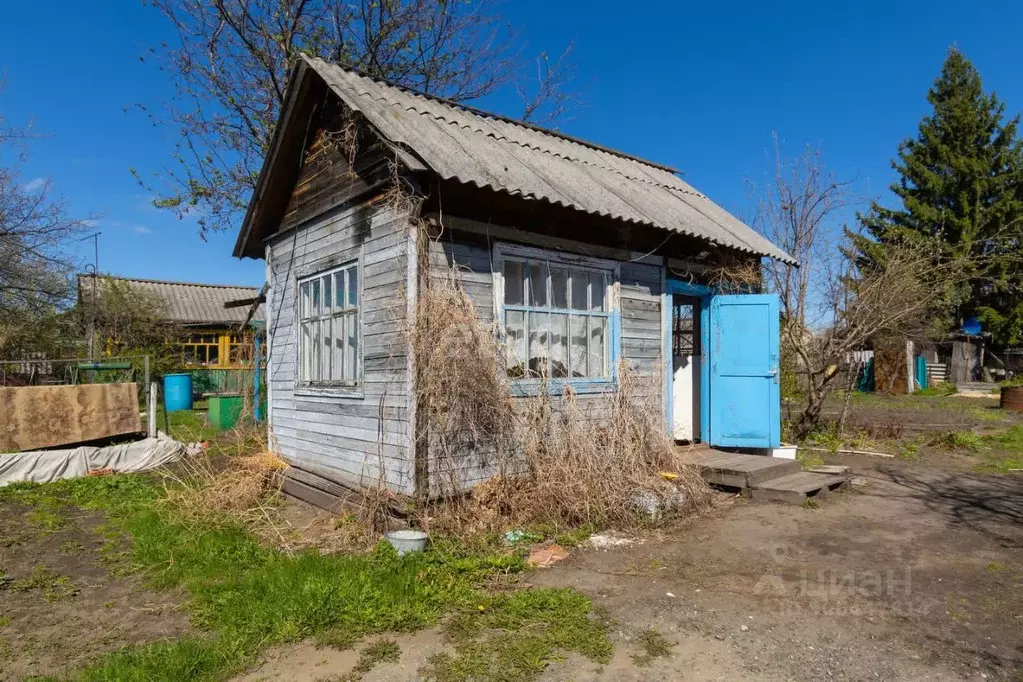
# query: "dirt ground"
893,417
64,597
916,575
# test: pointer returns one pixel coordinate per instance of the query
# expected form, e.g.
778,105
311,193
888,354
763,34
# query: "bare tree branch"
232,58
832,304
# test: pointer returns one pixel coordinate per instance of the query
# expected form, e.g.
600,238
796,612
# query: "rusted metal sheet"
477,148
1012,398
33,417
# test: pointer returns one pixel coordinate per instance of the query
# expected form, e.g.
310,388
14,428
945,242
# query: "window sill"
330,391
531,387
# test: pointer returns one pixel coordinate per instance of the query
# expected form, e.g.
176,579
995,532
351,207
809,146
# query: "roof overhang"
311,79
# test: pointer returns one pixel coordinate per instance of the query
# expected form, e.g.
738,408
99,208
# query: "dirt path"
916,575
64,596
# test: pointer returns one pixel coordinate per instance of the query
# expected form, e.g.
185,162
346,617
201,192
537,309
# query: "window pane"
539,335
339,290
559,288
325,349
515,343
559,346
538,284
598,347
315,308
338,348
577,346
351,357
212,355
305,351
598,289
353,286
579,288
327,298
314,354
513,284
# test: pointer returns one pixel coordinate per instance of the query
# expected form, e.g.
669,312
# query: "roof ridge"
500,117
171,282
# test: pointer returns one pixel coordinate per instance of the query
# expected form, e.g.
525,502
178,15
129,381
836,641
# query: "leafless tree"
35,231
230,63
832,305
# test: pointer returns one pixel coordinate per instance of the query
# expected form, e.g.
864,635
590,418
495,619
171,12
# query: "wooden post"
910,369
146,381
151,408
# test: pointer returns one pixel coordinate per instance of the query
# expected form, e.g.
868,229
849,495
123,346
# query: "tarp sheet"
44,466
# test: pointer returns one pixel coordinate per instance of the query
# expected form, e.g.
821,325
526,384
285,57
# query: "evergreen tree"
961,193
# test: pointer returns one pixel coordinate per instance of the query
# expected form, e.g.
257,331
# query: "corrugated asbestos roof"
189,303
470,146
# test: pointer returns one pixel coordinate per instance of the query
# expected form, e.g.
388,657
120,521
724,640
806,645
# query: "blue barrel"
177,392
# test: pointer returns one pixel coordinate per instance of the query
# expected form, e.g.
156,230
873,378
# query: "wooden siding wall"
640,290
352,440
326,179
642,340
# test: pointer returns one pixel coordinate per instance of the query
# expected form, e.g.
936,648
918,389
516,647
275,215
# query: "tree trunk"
853,376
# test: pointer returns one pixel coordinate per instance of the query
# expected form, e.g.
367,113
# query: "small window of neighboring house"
556,315
328,346
201,349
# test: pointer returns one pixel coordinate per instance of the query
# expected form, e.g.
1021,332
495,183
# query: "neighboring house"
215,342
584,256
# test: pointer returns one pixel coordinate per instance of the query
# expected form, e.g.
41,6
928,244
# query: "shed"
583,258
215,340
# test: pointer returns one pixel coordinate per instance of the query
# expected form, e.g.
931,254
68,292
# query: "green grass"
1003,451
245,597
652,644
908,451
918,400
955,440
47,519
939,389
71,547
54,587
383,651
826,439
1010,439
511,637
192,426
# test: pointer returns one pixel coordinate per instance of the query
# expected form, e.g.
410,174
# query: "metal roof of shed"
189,302
476,148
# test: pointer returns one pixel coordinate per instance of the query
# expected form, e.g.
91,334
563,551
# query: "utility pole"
95,300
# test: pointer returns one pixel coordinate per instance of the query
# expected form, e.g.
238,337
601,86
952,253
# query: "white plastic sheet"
44,466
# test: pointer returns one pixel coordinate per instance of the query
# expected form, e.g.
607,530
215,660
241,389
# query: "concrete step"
741,471
796,488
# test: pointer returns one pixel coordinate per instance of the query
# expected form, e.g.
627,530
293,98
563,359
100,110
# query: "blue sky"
700,86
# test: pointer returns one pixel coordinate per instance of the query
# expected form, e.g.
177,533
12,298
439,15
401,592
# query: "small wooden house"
214,341
583,257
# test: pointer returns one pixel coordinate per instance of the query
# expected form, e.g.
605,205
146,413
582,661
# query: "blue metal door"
745,397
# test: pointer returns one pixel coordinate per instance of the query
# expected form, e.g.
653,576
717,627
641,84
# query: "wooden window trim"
347,389
529,386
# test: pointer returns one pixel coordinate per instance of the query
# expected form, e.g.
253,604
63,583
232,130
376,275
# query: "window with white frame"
556,318
328,351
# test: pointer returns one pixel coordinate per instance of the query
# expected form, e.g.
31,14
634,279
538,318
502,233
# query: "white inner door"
685,342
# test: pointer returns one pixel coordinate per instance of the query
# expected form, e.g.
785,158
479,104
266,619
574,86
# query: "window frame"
531,386
345,388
